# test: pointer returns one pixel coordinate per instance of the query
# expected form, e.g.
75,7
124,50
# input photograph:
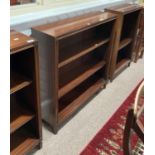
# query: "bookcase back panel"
26,97
124,53
129,25
20,99
23,63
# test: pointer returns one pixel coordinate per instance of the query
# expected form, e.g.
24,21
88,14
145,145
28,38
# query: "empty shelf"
19,116
22,142
124,43
71,85
89,89
18,82
89,47
121,65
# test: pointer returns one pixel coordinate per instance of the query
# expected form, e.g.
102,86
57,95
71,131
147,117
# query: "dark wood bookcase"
25,116
75,56
126,31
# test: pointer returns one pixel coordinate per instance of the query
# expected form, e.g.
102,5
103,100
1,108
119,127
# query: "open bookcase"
126,31
25,118
75,57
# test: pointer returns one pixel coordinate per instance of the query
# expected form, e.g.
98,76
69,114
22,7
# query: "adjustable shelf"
19,117
124,43
86,74
25,116
23,142
76,98
89,46
75,55
18,82
128,18
121,64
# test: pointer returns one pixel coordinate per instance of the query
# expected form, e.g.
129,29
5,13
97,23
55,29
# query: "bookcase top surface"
125,8
70,25
19,40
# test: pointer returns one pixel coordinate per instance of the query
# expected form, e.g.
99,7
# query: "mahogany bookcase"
126,32
75,57
25,116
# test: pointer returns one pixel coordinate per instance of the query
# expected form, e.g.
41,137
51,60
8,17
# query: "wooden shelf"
19,116
124,43
22,142
78,97
121,65
78,52
18,82
71,85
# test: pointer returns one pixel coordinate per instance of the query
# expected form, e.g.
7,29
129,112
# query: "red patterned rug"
108,140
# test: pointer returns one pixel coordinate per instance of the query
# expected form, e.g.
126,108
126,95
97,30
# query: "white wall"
26,21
